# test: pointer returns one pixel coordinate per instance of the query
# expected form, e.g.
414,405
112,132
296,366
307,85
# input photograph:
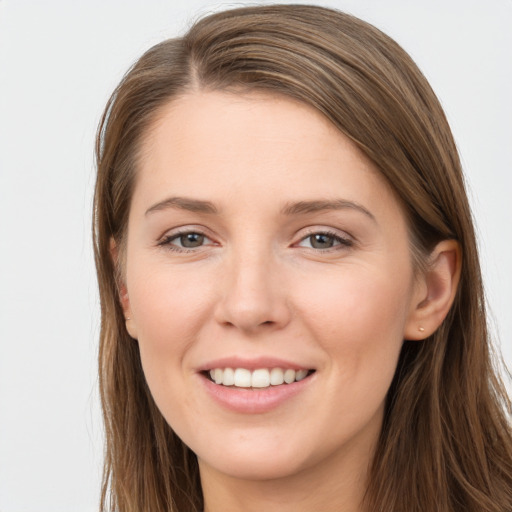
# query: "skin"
256,286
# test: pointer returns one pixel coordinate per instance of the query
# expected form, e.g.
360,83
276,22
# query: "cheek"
356,300
169,307
359,325
358,318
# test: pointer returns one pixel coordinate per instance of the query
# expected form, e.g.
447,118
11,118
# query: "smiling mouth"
260,378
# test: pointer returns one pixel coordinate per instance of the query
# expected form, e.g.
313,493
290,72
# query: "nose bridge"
251,295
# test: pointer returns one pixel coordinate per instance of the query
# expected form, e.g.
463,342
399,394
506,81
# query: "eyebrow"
184,203
305,207
289,209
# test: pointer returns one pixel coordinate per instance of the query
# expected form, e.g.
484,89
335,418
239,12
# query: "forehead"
225,145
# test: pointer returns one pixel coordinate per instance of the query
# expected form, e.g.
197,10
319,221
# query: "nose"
253,298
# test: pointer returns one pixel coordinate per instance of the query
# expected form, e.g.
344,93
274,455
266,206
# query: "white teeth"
260,378
229,377
289,376
301,374
242,378
218,376
276,376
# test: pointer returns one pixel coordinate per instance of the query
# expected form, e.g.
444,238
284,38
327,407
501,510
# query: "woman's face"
262,246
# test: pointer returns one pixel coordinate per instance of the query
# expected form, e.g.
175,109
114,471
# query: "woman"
292,307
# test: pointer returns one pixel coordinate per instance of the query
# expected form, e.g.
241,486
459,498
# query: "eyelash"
166,241
341,242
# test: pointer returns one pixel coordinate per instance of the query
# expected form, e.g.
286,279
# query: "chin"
255,467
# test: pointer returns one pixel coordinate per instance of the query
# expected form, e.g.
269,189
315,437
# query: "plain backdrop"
59,62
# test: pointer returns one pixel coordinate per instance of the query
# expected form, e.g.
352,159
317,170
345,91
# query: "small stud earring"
127,318
421,329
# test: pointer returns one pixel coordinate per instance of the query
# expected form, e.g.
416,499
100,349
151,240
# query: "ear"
123,291
435,291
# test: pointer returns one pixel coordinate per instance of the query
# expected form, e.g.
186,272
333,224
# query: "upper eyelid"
181,230
344,242
325,230
173,236
326,233
167,240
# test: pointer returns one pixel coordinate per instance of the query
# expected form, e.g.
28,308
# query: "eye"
189,240
185,240
324,241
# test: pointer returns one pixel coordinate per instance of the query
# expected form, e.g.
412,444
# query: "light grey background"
59,61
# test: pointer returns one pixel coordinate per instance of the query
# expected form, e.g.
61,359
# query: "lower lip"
251,400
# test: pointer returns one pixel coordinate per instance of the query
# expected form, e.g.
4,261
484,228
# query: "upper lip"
252,364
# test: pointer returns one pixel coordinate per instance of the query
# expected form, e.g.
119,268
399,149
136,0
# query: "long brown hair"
446,442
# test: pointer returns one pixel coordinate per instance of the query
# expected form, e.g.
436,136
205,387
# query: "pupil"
191,240
321,241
